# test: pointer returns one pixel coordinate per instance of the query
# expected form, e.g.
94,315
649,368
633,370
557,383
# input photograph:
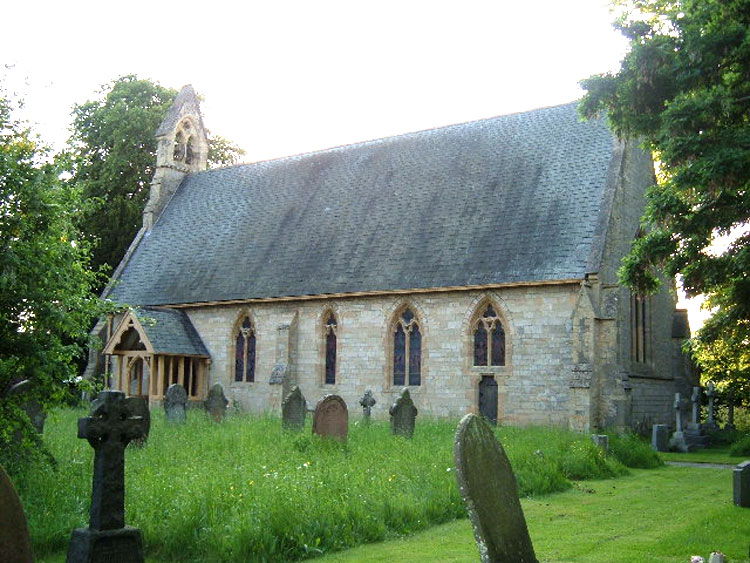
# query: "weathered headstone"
175,403
660,437
331,418
678,441
216,402
110,427
488,486
696,399
367,401
601,441
711,394
15,545
294,410
140,409
403,414
742,484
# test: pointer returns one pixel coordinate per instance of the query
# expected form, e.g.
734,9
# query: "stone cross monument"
711,394
696,398
367,401
109,429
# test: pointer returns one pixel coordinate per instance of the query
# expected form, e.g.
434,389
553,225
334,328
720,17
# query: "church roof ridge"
397,136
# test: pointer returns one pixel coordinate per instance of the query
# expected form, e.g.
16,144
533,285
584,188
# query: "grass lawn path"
655,515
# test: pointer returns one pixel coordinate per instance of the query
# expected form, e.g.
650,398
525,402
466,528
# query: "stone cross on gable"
109,429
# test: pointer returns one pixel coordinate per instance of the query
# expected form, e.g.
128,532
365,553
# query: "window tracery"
489,339
407,350
244,363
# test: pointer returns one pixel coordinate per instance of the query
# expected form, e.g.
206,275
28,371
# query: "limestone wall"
534,385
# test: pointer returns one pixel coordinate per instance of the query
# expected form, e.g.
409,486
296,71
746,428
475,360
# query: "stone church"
475,264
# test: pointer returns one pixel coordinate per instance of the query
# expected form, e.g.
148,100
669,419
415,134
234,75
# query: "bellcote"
182,148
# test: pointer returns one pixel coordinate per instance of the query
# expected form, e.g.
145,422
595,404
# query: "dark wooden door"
488,398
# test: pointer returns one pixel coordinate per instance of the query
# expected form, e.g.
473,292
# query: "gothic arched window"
489,339
407,350
244,353
330,327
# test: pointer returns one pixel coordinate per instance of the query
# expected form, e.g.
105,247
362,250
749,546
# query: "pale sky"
285,77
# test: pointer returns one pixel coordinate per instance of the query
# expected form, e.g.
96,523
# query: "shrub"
741,447
633,451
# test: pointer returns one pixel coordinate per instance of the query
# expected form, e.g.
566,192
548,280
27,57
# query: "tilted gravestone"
110,427
742,484
660,437
488,486
140,408
175,403
15,545
216,403
331,418
403,414
294,410
367,401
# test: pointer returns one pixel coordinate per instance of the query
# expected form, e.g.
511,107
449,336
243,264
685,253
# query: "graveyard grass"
244,490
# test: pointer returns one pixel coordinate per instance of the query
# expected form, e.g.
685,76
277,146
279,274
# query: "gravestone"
660,437
15,545
678,441
331,418
711,394
293,410
741,480
695,435
488,486
696,399
175,403
110,427
216,403
367,401
403,414
601,441
140,408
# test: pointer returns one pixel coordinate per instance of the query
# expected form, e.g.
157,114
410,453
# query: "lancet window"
244,363
489,339
183,144
330,331
407,350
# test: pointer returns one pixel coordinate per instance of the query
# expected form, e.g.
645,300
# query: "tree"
112,157
46,303
684,89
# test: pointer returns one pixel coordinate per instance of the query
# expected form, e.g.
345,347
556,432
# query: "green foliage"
684,89
45,301
112,159
633,451
741,448
245,490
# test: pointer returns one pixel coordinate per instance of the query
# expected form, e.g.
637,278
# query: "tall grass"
246,490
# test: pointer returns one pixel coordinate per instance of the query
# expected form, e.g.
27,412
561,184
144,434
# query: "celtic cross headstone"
112,424
367,401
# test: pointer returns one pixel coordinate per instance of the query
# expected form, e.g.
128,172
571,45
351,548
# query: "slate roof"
517,198
170,332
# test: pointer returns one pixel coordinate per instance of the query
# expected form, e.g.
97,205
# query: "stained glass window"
330,332
407,350
489,339
244,361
